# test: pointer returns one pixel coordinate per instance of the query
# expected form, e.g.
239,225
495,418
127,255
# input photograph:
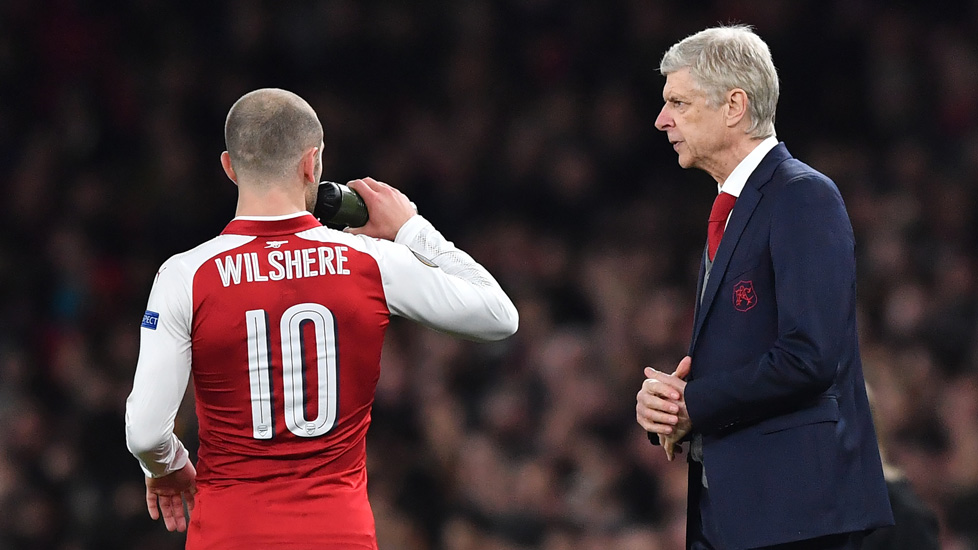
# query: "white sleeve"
432,282
162,372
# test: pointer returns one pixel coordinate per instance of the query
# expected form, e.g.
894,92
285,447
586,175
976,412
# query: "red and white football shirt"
281,321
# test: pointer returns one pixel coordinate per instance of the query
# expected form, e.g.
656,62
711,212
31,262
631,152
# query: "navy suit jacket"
776,388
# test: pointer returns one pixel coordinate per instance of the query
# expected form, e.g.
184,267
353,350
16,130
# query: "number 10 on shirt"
259,368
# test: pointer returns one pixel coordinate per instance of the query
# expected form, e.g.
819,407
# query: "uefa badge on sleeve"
150,320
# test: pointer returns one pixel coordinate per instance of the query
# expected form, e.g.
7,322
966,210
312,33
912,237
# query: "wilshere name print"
282,264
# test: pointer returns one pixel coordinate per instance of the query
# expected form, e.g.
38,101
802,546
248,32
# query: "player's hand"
388,208
166,495
661,406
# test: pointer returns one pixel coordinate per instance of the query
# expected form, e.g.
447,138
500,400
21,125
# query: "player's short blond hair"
267,131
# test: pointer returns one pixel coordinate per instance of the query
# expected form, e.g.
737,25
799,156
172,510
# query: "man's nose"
663,121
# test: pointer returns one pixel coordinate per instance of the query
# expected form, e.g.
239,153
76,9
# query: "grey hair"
726,57
267,130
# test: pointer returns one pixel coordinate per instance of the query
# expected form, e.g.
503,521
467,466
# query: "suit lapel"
741,214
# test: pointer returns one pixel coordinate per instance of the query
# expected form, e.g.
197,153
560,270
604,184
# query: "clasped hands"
661,406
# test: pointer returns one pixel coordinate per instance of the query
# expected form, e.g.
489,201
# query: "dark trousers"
702,532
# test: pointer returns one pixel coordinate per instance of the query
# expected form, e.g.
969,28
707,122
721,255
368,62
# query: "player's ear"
308,165
228,169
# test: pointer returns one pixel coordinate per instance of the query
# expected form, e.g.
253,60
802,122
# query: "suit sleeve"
162,374
432,282
813,260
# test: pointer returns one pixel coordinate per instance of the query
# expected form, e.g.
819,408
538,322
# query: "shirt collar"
265,226
738,178
271,218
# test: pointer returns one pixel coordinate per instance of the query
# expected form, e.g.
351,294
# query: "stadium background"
524,130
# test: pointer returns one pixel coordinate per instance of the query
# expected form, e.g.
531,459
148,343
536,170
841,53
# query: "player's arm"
428,279
162,373
442,287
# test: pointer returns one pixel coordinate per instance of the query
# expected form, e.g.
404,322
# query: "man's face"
695,130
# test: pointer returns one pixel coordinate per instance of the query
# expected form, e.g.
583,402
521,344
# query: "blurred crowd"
523,129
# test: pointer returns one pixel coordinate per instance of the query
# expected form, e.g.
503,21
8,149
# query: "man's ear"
228,169
737,102
308,165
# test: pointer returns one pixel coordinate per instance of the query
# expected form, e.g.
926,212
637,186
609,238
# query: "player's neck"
273,202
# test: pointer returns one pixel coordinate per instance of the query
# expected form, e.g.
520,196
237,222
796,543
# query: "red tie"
718,221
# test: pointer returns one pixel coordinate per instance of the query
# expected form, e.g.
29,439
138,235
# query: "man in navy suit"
771,399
